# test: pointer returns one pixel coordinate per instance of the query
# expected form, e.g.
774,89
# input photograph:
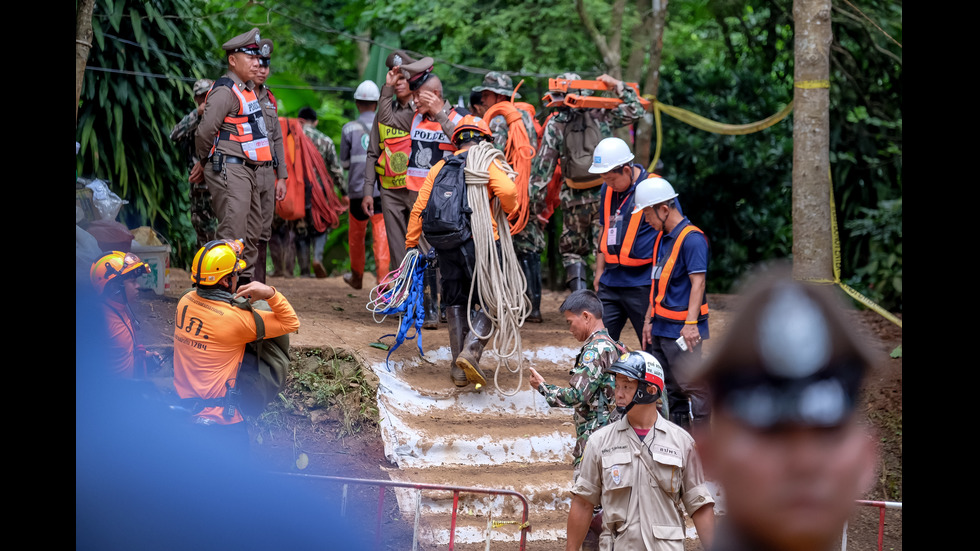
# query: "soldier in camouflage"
306,234
591,389
202,216
529,243
580,207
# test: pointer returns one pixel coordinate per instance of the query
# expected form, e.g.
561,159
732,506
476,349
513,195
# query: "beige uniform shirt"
642,485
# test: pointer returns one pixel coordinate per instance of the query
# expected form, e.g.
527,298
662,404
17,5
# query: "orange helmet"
471,127
217,259
116,265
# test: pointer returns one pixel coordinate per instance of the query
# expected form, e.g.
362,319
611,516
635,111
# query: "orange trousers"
356,234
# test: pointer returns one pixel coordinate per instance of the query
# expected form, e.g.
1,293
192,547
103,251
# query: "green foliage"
881,228
335,382
728,60
126,112
733,62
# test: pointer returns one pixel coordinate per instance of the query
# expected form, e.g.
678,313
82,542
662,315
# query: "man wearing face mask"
643,469
233,144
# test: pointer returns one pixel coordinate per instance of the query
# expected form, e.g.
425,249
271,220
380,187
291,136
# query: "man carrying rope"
514,133
443,212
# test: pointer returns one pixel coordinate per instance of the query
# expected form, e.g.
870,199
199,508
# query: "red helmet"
470,127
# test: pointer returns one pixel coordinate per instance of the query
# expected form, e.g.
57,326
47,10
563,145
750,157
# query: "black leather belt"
249,164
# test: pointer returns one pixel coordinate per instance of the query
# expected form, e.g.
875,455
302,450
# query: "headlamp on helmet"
116,266
471,128
216,260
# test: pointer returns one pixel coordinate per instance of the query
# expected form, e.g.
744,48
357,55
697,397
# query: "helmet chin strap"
639,397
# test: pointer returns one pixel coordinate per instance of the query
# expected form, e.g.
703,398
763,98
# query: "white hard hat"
609,154
652,191
367,91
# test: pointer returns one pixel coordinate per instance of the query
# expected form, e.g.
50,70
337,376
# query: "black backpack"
581,135
446,217
262,375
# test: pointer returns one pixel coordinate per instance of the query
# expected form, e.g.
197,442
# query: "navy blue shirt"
692,259
618,275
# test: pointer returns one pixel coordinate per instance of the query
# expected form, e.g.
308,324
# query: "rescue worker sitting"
622,271
641,468
114,276
210,334
447,209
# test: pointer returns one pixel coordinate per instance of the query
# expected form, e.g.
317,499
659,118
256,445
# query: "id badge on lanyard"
612,236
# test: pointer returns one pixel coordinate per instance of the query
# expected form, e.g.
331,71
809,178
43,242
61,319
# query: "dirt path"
334,316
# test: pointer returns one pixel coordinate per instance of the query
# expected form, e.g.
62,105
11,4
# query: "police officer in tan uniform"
789,443
272,179
643,469
233,144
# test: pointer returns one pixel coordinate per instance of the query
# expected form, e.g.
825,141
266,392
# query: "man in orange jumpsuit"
457,256
210,334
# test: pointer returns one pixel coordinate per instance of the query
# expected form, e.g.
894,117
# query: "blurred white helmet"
367,91
652,191
609,154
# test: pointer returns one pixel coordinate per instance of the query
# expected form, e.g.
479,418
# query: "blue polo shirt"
692,259
617,275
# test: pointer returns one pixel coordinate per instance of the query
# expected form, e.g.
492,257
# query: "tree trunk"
655,22
83,43
812,247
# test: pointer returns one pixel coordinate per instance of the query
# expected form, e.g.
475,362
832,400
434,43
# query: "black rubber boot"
531,264
458,329
303,256
259,275
430,299
469,356
575,277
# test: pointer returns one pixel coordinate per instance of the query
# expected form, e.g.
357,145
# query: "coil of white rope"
500,278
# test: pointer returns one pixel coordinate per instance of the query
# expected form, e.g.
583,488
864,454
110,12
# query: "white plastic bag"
106,202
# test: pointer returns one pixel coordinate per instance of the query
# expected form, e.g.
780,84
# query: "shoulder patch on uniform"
589,356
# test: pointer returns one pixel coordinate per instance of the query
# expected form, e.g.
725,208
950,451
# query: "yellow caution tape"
521,525
709,125
706,124
812,84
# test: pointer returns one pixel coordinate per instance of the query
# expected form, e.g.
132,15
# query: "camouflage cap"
265,52
247,42
202,86
497,82
398,58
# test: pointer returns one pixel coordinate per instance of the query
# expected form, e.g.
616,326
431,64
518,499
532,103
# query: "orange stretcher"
558,94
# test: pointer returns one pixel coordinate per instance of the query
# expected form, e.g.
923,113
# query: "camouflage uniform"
580,206
202,215
591,390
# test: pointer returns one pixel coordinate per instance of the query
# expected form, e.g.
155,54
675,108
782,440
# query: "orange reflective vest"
392,164
429,145
627,255
659,289
247,126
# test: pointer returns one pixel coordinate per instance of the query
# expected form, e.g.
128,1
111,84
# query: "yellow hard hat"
113,265
217,259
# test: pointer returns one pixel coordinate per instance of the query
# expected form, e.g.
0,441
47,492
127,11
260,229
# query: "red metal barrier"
382,484
881,505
